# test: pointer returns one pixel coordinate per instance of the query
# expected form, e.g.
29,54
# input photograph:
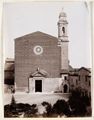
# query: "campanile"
63,40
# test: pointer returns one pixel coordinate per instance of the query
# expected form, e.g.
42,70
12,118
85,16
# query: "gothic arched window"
63,29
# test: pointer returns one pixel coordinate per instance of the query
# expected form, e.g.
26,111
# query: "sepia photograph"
47,59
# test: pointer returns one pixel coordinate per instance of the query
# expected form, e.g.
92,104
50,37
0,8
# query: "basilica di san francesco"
41,64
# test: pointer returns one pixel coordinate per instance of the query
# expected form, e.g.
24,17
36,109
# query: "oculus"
38,50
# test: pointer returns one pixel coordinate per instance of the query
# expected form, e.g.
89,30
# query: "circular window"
38,50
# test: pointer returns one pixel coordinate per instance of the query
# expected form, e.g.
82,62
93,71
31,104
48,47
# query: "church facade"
41,60
41,64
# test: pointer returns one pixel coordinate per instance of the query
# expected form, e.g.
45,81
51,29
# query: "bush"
32,111
21,107
61,107
9,111
45,103
48,109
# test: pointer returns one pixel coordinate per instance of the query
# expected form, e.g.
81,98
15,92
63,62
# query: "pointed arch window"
63,29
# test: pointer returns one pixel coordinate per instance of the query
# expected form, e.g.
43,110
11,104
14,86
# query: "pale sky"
26,17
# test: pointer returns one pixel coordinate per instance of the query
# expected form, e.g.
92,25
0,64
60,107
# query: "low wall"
35,98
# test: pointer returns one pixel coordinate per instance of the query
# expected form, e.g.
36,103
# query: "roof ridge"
33,33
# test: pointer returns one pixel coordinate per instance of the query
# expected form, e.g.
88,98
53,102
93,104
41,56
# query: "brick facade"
26,61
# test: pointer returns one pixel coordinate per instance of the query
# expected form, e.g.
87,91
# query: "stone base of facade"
45,85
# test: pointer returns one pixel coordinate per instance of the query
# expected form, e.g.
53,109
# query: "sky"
23,18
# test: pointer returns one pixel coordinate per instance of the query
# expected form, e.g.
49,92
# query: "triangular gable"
38,34
39,73
83,68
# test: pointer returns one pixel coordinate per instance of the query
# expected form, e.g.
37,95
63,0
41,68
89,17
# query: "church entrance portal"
38,85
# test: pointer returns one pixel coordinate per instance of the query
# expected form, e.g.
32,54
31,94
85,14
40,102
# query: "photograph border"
2,62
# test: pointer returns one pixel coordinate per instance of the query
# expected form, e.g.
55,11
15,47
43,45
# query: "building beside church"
42,64
9,75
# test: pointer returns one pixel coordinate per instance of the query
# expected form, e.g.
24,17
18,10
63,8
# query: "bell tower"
63,41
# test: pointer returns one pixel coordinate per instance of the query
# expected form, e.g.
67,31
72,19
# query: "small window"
65,77
63,29
79,77
89,82
76,82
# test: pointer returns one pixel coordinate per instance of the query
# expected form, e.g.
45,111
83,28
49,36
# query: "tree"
13,105
77,104
13,102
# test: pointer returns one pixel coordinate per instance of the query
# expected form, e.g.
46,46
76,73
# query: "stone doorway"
65,88
35,83
38,85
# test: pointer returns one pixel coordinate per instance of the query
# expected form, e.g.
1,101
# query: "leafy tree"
77,103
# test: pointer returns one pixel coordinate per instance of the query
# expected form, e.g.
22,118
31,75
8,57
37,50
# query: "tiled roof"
9,64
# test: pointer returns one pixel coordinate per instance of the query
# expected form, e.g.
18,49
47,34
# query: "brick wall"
26,61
